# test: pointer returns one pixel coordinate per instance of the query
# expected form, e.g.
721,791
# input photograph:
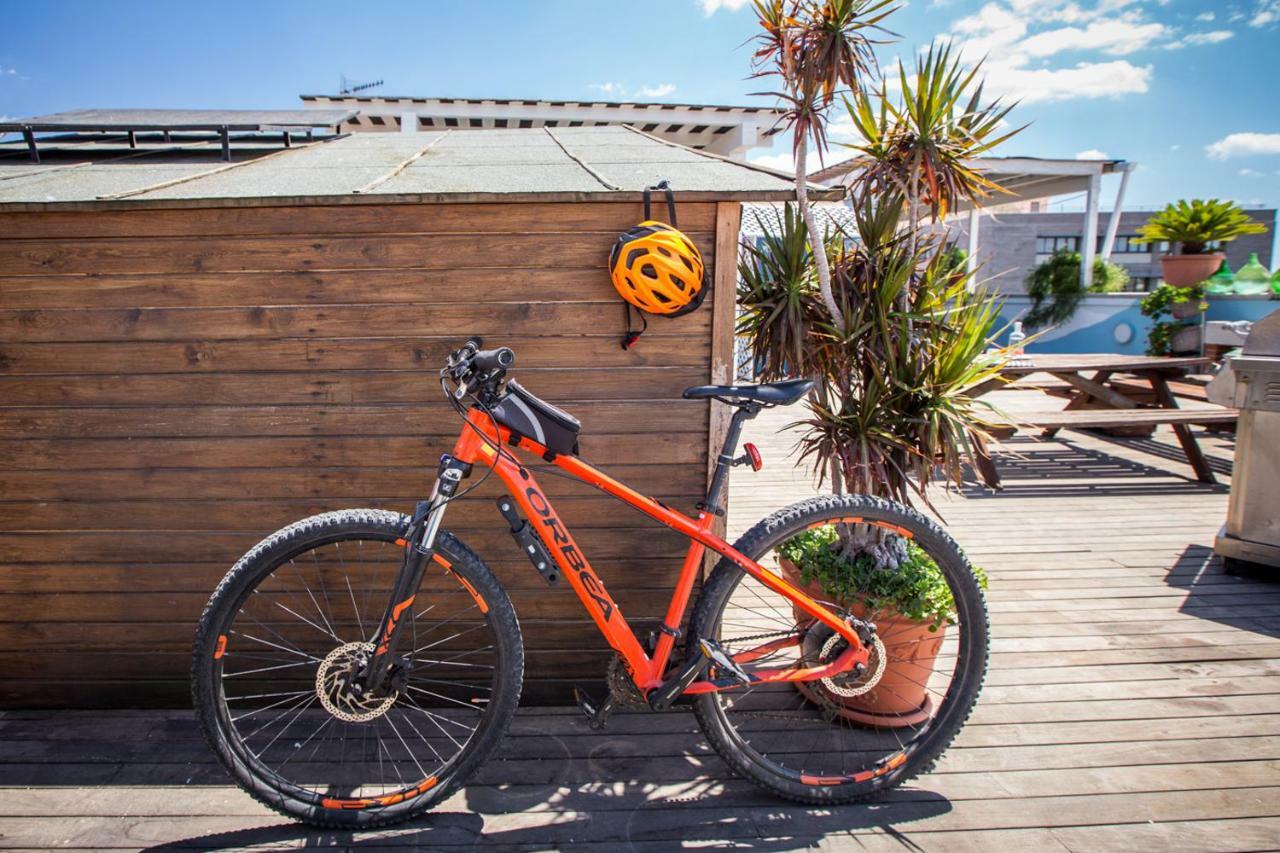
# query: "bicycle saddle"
771,393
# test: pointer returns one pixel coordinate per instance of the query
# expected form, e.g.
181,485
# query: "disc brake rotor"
334,689
837,684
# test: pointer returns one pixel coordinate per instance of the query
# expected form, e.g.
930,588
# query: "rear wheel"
847,737
292,620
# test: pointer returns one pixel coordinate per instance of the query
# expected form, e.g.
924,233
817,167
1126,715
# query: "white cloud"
1175,147
1244,145
659,91
1206,16
710,7
1190,39
1085,80
1250,173
1265,13
618,90
1092,154
783,162
1115,37
1025,45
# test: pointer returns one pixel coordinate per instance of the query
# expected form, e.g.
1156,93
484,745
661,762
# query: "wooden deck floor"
1131,705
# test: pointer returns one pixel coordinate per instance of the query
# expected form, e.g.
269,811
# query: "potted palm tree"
1194,226
911,606
892,330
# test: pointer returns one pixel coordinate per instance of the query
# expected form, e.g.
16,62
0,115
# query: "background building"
1013,243
726,130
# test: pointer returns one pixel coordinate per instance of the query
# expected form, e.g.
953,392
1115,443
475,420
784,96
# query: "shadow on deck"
1130,704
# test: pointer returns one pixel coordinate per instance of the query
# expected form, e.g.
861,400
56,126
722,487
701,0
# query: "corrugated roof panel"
277,182
599,161
88,182
493,179
463,155
708,175
644,153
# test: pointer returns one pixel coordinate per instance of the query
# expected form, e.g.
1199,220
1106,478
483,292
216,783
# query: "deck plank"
1130,704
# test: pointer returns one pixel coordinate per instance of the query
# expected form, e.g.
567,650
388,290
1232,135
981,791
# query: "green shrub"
916,589
1158,304
1055,288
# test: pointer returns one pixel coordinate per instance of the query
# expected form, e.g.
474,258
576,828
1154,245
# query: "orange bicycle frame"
484,442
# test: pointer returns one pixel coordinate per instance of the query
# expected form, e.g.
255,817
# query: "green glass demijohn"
1253,278
1220,283
1275,283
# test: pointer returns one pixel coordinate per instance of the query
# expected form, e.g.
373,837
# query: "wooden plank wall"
175,384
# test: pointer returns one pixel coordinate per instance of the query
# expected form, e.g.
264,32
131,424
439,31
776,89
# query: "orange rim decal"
442,561
824,780
480,602
403,543
222,647
893,762
388,800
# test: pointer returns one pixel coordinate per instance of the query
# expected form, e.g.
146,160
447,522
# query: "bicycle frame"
484,442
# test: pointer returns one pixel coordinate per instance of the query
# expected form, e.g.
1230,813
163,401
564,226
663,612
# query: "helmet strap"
665,186
630,338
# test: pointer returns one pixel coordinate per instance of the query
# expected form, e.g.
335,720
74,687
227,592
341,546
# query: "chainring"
621,686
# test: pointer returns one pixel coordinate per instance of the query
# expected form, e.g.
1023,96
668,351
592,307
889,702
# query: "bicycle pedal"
723,662
597,715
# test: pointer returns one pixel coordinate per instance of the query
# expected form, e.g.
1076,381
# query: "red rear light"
753,453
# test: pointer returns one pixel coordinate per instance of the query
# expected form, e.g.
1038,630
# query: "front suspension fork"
419,548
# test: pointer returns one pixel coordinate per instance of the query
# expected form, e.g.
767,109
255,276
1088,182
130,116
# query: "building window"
1050,245
1127,244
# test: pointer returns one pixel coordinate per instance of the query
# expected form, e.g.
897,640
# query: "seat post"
746,411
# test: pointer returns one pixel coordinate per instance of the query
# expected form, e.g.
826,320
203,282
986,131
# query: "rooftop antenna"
351,87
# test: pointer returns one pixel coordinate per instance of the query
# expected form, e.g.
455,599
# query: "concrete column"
971,263
1113,222
1090,248
408,122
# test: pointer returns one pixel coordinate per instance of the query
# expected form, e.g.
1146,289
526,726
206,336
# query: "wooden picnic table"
1109,405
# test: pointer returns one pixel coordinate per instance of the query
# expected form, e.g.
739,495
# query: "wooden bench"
1050,422
1094,418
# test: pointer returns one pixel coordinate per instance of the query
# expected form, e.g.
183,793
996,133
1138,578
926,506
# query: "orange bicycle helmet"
656,268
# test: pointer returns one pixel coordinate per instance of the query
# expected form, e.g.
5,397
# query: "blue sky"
1187,88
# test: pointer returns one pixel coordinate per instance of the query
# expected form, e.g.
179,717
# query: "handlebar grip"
490,359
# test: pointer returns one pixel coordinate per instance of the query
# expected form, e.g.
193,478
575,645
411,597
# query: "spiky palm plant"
815,49
904,331
1198,222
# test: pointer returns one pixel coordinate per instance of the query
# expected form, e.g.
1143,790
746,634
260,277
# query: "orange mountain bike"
356,667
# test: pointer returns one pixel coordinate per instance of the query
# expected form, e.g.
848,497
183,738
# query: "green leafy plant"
1056,290
814,49
778,292
1158,305
955,259
892,329
916,590
890,411
1195,223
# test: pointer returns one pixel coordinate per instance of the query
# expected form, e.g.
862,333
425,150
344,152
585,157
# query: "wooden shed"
194,353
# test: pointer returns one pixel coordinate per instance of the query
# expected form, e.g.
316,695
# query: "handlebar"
469,366
493,359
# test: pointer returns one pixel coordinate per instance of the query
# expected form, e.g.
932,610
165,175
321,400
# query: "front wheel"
290,623
850,736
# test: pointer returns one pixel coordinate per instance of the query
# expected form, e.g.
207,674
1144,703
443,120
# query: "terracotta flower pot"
900,697
1186,270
